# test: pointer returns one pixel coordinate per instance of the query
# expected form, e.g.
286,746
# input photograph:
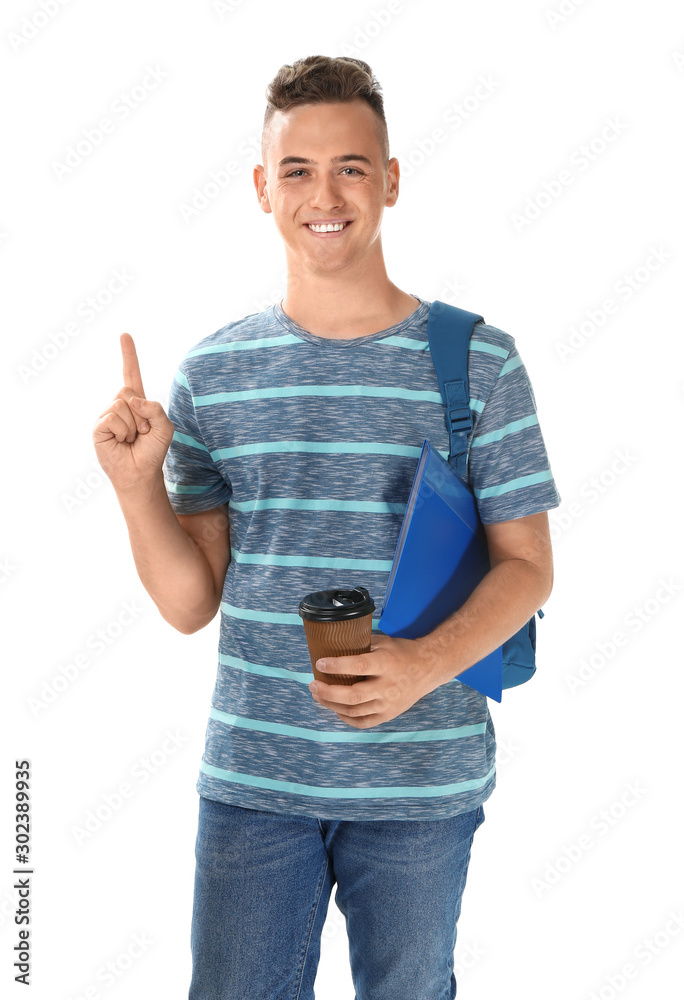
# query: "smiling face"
324,163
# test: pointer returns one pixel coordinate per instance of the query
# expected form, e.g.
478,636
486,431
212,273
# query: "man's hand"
133,434
399,674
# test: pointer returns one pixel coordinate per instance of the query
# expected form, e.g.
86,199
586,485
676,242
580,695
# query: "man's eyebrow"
345,158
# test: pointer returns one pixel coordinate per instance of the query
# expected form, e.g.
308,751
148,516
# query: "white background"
559,902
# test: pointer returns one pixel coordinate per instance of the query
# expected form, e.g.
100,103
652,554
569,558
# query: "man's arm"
517,585
401,671
508,470
181,559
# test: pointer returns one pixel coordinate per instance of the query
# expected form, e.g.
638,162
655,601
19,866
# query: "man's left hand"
399,673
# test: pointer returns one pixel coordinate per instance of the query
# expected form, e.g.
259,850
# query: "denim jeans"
263,882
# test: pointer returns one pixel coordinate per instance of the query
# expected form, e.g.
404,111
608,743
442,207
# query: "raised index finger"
131,367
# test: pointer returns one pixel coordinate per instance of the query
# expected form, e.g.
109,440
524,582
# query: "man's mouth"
328,228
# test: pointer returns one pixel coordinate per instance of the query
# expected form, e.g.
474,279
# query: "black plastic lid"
336,605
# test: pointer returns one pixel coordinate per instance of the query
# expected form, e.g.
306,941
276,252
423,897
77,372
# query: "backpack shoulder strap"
449,329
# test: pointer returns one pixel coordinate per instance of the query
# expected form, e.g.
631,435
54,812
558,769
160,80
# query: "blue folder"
440,557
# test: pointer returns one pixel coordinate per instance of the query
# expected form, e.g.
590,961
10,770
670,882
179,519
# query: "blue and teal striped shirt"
313,444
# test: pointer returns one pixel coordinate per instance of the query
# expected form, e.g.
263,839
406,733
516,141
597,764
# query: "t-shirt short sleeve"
508,467
193,480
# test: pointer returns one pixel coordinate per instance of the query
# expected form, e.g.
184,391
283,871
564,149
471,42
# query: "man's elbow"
186,625
187,629
546,581
539,582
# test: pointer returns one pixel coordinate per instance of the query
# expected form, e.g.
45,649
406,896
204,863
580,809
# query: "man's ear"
260,183
393,180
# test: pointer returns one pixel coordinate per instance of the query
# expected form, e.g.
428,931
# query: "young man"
284,469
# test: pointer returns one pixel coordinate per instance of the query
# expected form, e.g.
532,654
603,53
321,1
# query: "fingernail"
145,426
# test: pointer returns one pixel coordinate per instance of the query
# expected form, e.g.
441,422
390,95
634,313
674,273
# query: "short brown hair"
325,79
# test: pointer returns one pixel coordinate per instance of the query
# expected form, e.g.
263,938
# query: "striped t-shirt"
313,443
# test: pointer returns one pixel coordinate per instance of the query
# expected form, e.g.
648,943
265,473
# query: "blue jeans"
263,882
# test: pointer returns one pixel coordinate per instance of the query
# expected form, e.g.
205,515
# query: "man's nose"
326,193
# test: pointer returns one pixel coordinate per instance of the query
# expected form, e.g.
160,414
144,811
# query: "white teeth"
331,227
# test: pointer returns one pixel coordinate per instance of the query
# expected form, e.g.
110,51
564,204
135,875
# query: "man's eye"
300,171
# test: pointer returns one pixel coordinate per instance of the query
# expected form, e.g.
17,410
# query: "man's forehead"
341,116
330,109
349,134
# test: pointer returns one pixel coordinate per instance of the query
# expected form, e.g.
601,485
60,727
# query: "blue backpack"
449,329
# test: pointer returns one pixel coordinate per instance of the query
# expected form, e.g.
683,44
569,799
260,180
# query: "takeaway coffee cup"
337,623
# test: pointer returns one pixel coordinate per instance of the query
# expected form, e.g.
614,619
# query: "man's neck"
335,310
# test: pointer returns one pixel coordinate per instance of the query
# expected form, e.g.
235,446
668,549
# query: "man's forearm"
506,597
171,567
